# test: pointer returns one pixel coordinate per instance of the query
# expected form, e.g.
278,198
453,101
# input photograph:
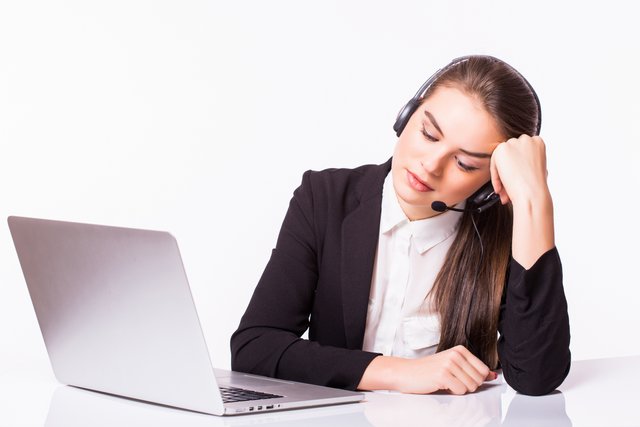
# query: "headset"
485,197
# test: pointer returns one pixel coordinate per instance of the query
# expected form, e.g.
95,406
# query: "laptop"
117,316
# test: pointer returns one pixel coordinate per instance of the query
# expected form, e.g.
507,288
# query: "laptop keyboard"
235,394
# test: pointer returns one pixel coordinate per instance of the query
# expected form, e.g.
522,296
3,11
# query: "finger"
453,384
498,187
492,375
493,169
467,368
467,374
477,364
504,197
495,176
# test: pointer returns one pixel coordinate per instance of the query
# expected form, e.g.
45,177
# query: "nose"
434,161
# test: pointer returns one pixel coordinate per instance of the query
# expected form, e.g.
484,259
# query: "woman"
398,295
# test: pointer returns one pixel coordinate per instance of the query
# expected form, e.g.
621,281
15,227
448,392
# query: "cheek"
410,144
462,185
402,149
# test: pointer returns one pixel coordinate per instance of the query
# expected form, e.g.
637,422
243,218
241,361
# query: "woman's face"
444,152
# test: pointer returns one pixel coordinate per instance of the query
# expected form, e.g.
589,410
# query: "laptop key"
236,394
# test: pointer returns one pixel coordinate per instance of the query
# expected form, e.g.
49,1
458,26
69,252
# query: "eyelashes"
428,135
464,167
431,138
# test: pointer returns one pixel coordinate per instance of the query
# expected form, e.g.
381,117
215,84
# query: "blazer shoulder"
339,182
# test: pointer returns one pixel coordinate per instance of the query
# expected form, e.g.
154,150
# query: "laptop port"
259,408
268,407
250,408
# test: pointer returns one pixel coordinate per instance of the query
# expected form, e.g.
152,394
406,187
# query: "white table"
602,392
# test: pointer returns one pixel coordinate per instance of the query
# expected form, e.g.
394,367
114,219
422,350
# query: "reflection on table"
72,407
599,392
482,408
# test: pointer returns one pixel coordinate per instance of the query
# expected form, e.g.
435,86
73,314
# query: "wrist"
382,373
533,201
533,228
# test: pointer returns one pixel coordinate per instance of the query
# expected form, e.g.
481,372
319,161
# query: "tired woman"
430,271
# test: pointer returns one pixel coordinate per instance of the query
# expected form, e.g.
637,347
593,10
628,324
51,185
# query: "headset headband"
410,107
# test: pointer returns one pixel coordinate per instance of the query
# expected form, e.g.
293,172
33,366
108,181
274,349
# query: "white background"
199,117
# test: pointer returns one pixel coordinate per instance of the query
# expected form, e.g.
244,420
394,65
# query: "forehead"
462,119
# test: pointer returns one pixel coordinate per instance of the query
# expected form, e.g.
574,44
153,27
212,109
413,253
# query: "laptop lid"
116,312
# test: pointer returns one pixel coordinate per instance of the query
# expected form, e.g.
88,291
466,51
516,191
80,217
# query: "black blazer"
319,277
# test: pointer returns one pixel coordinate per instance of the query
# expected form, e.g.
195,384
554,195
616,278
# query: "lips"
417,184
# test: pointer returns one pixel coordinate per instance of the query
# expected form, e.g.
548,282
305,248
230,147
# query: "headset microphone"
439,206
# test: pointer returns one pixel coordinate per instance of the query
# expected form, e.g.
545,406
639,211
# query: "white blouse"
400,322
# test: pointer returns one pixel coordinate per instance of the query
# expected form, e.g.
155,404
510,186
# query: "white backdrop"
199,117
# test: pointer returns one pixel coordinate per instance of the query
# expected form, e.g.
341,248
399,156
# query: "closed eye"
461,165
464,167
428,135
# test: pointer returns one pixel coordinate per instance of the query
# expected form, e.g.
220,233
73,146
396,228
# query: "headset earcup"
482,194
404,115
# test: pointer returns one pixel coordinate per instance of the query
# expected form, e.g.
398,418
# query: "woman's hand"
455,370
519,169
519,175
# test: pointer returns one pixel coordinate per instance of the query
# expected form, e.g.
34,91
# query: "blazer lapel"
360,231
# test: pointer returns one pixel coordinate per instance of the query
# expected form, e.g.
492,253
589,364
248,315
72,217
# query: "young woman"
399,295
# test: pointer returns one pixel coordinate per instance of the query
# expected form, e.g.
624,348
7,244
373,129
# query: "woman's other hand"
455,370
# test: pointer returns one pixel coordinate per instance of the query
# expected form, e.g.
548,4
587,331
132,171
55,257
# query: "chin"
414,199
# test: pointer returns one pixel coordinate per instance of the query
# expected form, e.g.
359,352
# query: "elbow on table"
536,383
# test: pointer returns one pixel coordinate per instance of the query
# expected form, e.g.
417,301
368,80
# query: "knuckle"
460,350
464,390
448,364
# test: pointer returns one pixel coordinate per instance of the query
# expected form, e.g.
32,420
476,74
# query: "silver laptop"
117,316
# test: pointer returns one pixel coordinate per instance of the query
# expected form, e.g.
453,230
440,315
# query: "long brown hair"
468,290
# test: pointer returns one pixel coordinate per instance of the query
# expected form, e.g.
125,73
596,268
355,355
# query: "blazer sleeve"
268,340
534,327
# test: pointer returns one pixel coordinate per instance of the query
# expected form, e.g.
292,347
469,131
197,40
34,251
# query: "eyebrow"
468,153
433,121
478,155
